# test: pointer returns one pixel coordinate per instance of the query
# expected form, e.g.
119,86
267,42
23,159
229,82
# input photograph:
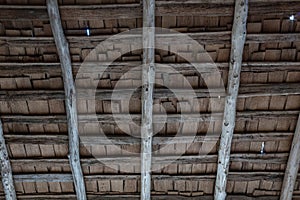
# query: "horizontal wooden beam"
221,37
137,197
233,176
121,11
250,90
158,140
53,69
245,91
278,158
172,118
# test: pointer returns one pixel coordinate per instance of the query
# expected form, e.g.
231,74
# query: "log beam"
53,69
221,37
148,80
158,118
292,166
158,140
234,176
168,8
70,97
245,91
6,171
237,47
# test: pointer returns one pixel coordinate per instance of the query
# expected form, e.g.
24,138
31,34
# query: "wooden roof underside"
33,112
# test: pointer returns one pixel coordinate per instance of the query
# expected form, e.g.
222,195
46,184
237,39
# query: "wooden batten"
292,167
6,171
237,47
148,77
70,97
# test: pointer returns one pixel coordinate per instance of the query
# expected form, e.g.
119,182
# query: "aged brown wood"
70,97
115,11
148,80
15,69
245,91
237,47
119,140
221,37
158,118
238,176
279,158
6,171
292,166
136,197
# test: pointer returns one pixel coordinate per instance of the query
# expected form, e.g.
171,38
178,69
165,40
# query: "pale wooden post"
237,47
70,97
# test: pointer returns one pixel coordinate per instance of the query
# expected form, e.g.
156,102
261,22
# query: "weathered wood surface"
279,158
70,97
15,69
221,37
234,176
158,118
6,171
148,80
121,11
245,91
158,140
136,197
237,46
292,166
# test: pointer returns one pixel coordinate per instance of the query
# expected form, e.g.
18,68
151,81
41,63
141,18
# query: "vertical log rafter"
292,168
6,171
148,77
70,97
237,47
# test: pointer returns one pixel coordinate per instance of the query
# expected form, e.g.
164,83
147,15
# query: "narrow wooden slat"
6,171
148,80
237,46
70,97
292,166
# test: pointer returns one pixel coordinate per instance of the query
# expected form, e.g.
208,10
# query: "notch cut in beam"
238,40
70,97
292,166
6,171
148,80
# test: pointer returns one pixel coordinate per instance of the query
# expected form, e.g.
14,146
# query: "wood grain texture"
158,118
6,171
245,91
158,140
161,39
292,167
125,11
148,80
70,97
15,69
235,65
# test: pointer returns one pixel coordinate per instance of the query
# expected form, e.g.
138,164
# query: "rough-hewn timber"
292,167
237,47
6,171
70,97
148,80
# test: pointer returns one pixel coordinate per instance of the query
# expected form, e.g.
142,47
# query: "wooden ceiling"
33,111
